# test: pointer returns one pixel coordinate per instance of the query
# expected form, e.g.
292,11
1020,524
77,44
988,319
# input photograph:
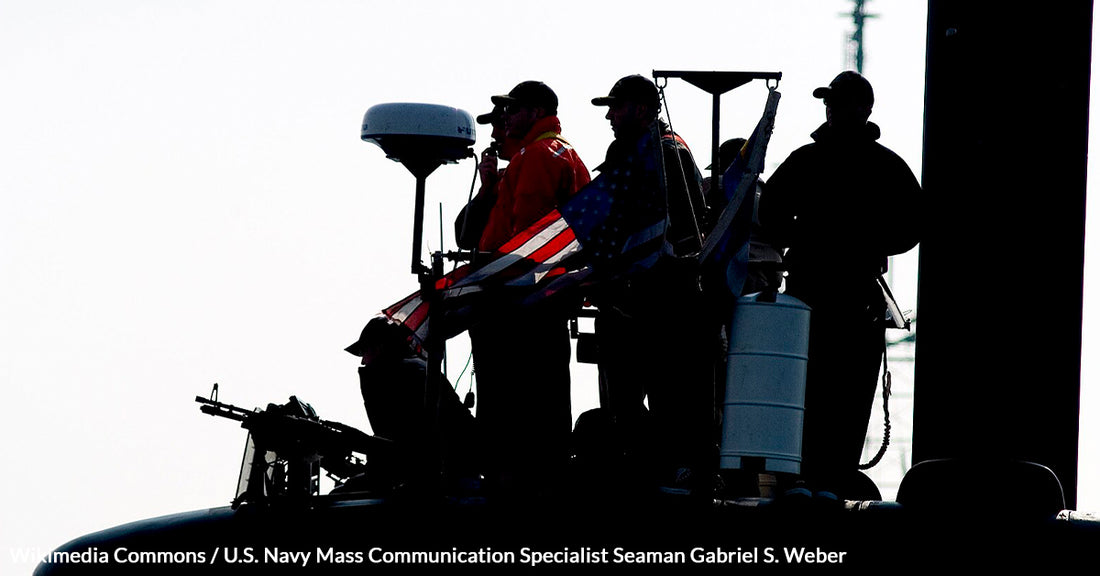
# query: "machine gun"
288,445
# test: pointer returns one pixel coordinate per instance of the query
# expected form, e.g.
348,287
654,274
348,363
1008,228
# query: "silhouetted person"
471,221
655,340
765,272
836,206
392,381
521,356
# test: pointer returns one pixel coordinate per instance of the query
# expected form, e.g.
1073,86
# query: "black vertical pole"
998,347
433,348
715,157
418,224
430,466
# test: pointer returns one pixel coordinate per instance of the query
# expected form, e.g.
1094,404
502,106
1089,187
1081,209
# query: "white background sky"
186,200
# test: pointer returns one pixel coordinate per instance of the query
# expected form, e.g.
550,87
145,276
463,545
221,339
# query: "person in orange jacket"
521,357
542,175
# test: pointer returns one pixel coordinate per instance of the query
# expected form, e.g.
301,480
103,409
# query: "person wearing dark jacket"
838,206
654,342
392,382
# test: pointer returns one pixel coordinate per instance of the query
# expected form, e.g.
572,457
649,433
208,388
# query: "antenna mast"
855,41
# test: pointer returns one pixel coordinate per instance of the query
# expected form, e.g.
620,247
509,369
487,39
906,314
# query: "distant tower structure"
855,41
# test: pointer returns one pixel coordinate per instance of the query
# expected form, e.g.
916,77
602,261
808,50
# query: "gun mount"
287,447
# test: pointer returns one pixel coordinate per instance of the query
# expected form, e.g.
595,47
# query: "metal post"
715,145
418,224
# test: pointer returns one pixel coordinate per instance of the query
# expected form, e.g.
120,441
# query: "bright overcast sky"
186,200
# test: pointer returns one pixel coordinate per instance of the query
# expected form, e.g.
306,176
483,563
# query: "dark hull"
373,536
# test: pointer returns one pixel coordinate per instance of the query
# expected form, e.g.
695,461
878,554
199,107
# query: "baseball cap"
379,329
728,151
848,88
490,117
529,93
633,88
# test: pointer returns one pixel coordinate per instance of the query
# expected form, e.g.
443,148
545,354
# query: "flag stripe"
454,277
515,252
555,250
551,218
404,308
549,265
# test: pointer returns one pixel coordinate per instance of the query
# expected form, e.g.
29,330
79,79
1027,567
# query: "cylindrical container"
765,383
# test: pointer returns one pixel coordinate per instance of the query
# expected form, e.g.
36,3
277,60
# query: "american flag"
727,246
613,226
620,218
535,264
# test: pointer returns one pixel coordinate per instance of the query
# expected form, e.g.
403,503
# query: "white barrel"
766,383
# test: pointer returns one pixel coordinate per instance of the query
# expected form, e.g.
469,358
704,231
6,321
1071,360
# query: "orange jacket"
541,176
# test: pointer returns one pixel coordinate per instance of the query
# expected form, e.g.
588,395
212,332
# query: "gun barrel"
215,411
215,408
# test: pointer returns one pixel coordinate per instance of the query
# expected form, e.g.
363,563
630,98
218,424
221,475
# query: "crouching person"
392,381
